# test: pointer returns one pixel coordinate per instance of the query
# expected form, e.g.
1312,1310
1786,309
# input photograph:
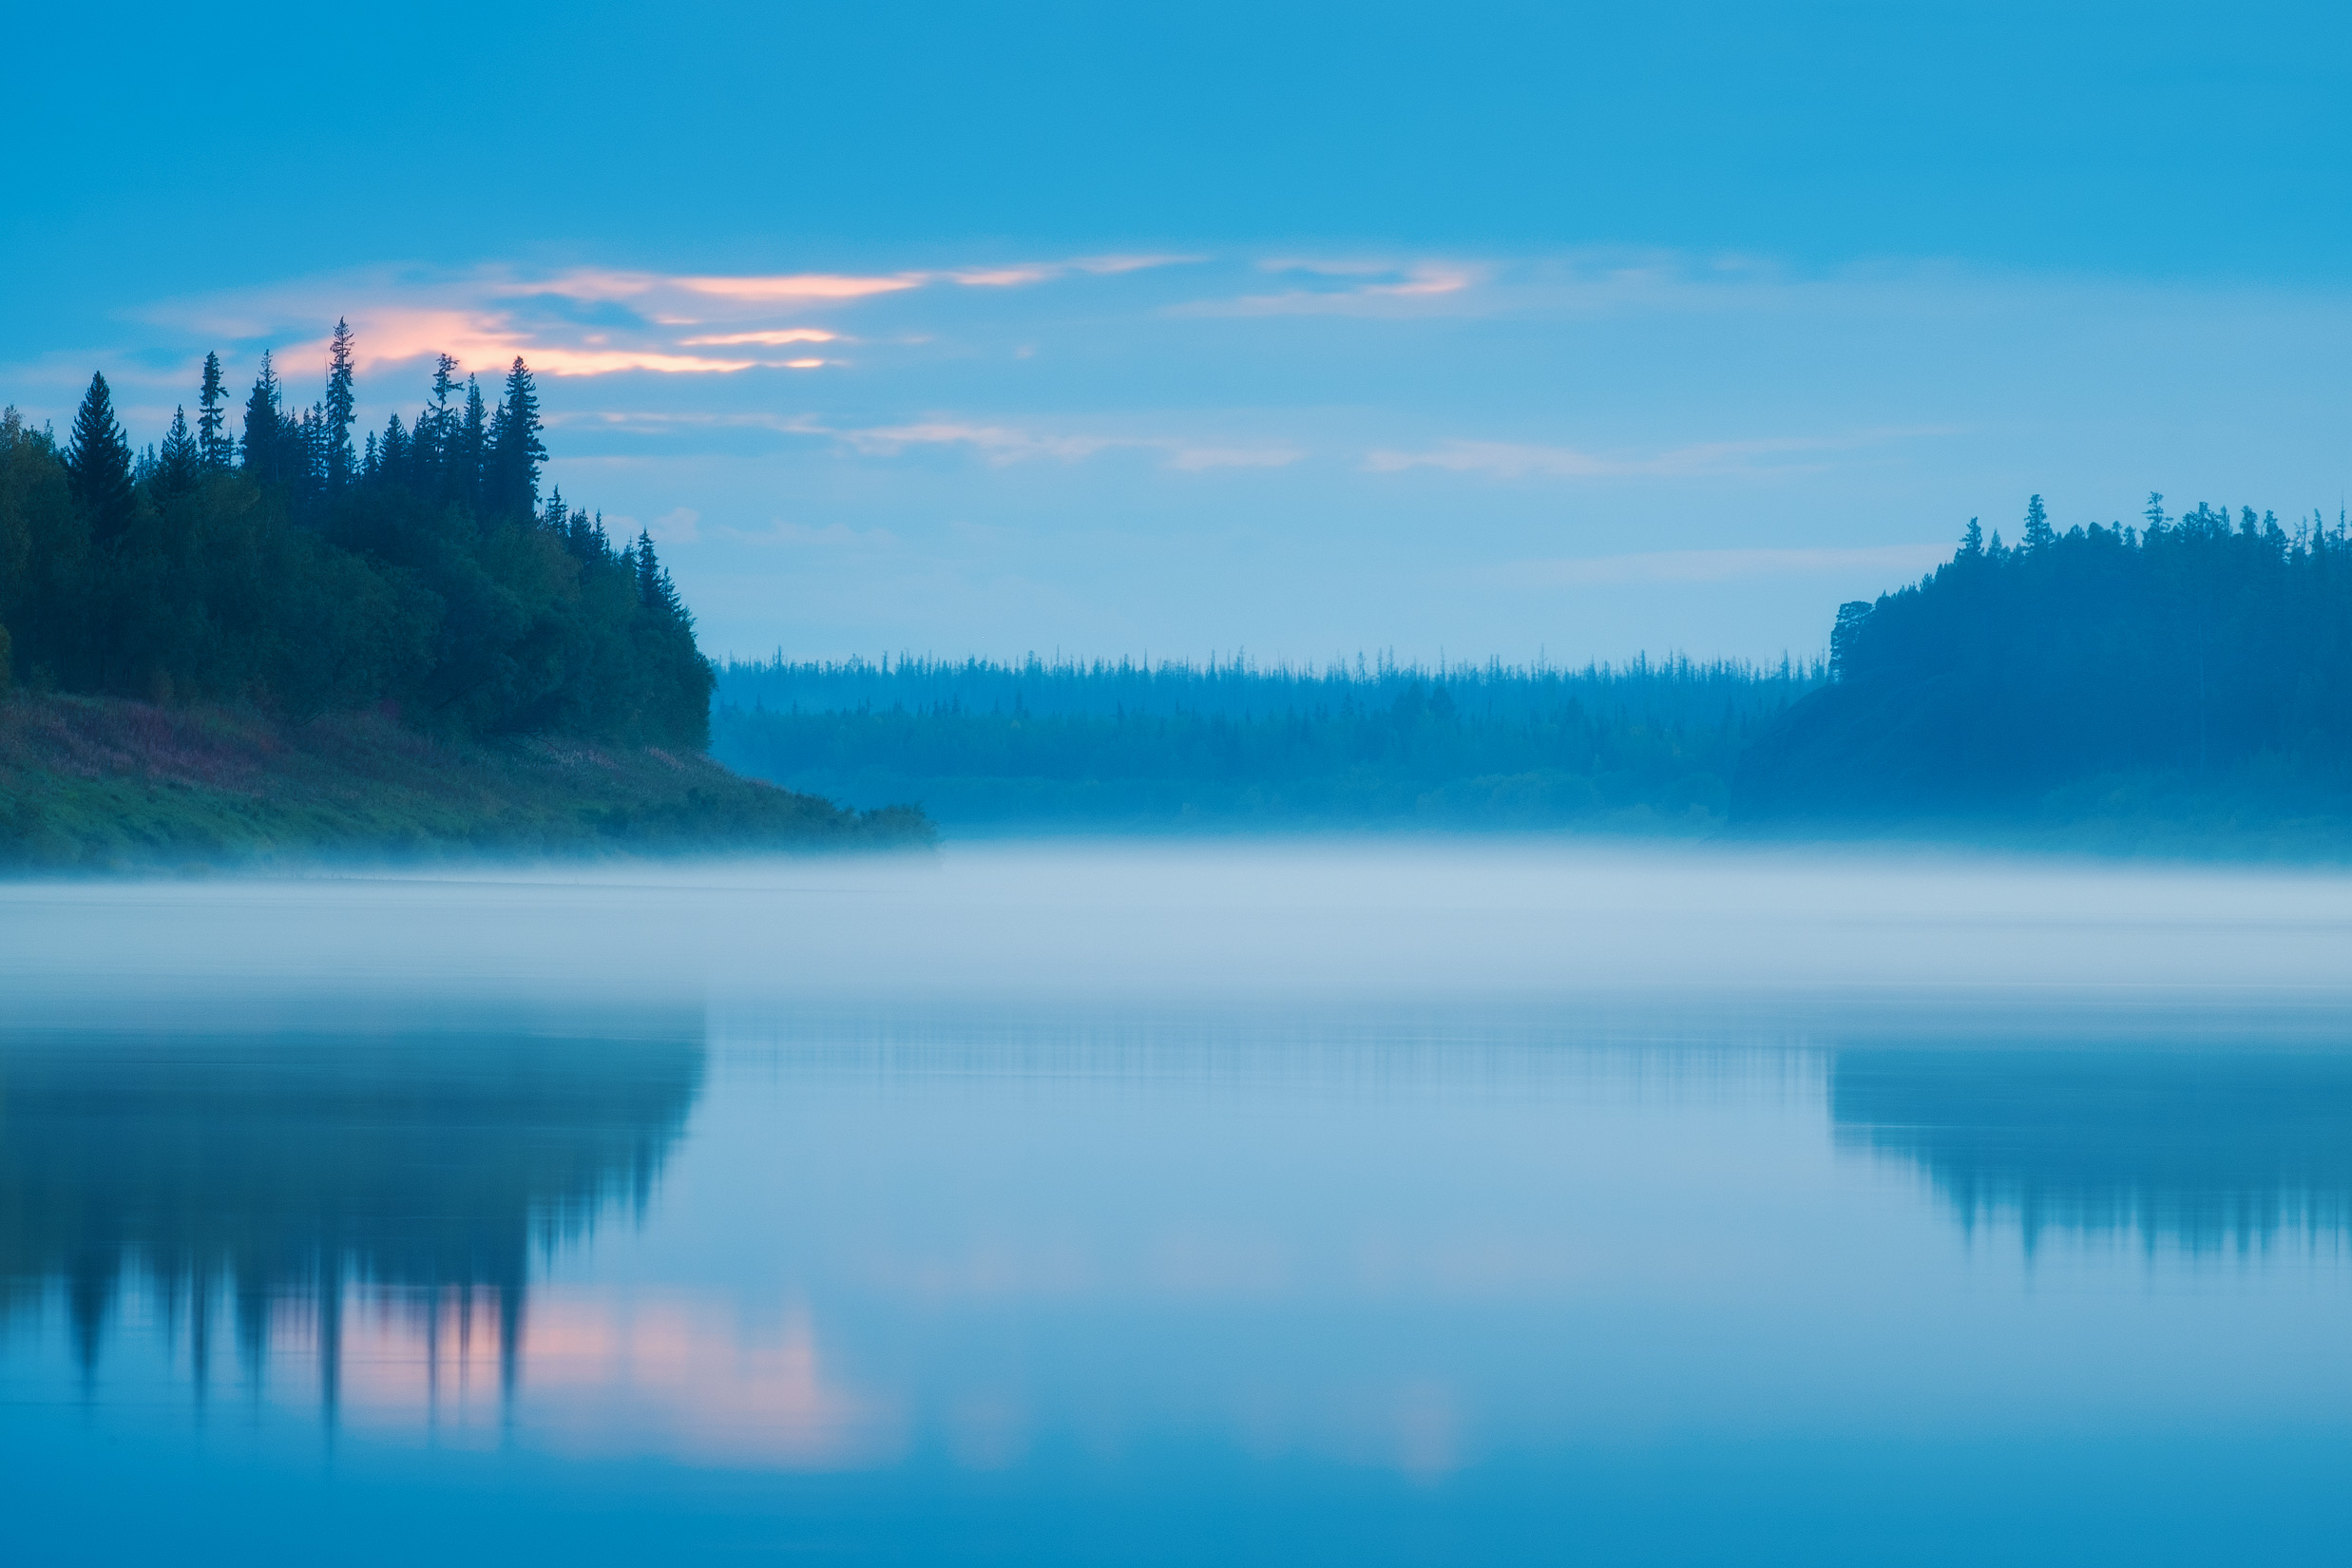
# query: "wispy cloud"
769,339
1001,445
591,321
1515,460
826,536
1352,288
799,287
1720,566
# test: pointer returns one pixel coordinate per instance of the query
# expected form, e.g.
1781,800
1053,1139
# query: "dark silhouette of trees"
98,467
340,407
2204,653
1645,745
212,439
512,451
179,466
313,578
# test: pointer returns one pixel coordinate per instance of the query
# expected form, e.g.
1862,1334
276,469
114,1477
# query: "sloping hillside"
98,783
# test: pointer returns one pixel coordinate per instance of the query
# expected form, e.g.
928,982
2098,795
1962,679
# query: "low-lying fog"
1235,924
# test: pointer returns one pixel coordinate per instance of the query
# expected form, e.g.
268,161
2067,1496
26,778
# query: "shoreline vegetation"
285,646
1643,749
111,784
2179,687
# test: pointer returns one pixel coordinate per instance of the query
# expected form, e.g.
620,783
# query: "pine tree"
2038,534
179,464
263,436
212,440
98,465
511,470
1972,543
342,409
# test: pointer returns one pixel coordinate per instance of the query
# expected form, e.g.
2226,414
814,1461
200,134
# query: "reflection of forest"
262,1173
2201,1149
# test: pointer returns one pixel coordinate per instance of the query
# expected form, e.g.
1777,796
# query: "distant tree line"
1227,744
2200,654
288,568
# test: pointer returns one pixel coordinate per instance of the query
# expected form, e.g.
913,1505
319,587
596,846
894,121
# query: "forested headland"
2188,674
263,569
1643,748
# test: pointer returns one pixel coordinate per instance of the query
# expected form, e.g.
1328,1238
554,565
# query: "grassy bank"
96,783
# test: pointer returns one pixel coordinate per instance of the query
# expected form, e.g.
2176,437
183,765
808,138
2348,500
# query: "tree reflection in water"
274,1172
2203,1150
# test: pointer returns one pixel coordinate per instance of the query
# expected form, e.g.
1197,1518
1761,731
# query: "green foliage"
101,783
1650,747
302,584
2199,667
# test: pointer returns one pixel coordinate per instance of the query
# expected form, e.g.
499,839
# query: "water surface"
1321,1204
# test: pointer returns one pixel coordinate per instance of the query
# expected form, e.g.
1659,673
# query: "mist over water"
1480,921
1395,1202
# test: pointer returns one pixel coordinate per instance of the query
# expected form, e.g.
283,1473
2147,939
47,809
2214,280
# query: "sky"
1462,331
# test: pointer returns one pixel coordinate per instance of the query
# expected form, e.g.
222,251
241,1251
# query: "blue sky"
1299,330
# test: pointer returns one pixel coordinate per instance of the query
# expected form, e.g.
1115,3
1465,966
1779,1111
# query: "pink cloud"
770,339
805,285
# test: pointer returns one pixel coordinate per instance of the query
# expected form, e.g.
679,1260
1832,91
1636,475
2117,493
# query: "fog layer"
1223,923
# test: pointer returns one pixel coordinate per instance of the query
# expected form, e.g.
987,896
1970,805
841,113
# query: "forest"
284,569
2193,665
1098,746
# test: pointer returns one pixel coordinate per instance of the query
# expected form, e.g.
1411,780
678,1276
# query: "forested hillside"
289,571
273,646
2195,665
1646,747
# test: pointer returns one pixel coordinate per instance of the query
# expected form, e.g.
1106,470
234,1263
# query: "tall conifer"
2038,534
466,451
178,466
511,472
98,465
430,442
263,437
213,445
342,407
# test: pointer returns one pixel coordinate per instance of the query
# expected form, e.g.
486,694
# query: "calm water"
1258,1204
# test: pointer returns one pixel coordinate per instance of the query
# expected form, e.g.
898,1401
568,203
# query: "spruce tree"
1972,543
648,572
263,436
511,471
213,445
342,409
98,465
179,464
394,453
